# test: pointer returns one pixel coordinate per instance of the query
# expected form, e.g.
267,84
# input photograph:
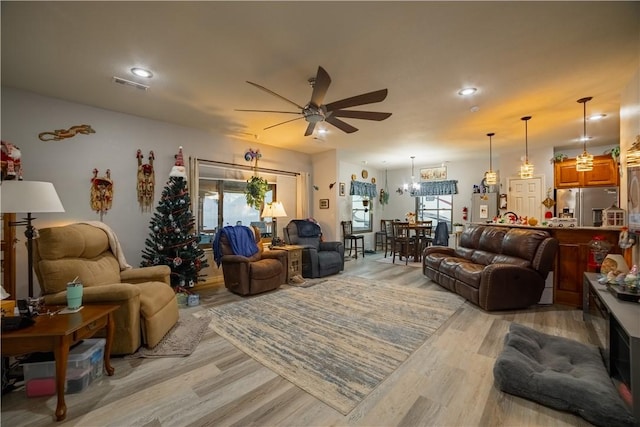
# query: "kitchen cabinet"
604,173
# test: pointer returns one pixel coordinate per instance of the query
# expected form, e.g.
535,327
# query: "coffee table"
57,333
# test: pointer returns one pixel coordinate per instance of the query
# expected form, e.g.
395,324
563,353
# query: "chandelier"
414,185
490,177
584,162
526,168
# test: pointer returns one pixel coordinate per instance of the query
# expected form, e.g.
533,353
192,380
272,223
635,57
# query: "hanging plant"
384,192
256,187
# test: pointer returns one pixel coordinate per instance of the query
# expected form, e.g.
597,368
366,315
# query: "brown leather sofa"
494,267
261,272
148,307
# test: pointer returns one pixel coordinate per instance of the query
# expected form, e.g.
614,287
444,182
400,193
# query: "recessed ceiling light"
141,72
597,116
467,91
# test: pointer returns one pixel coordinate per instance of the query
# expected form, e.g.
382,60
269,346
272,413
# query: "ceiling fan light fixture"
595,117
526,168
141,72
584,162
467,91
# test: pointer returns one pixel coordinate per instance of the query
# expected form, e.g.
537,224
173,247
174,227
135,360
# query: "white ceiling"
525,58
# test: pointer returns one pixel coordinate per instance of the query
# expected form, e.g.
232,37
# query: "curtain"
366,189
436,188
302,208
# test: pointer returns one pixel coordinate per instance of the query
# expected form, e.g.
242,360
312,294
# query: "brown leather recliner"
148,307
495,267
264,271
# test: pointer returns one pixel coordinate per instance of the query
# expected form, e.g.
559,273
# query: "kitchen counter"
572,259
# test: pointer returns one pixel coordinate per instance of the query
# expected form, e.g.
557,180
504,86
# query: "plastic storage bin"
86,363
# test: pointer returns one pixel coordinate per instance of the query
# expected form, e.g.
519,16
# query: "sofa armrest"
330,246
438,249
276,254
508,287
156,273
116,292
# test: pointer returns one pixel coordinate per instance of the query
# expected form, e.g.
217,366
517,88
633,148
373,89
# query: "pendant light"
414,185
490,177
526,168
584,162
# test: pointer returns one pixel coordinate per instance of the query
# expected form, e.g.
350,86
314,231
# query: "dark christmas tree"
172,240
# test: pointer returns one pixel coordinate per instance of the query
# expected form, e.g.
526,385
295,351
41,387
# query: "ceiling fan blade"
281,123
364,115
320,87
270,111
343,126
365,98
310,128
274,94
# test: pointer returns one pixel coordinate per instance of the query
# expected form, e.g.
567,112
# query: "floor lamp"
29,197
274,210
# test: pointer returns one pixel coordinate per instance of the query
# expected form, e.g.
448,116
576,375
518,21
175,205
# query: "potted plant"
256,189
458,227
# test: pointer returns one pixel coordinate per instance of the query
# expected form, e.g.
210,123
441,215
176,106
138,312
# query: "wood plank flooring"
447,382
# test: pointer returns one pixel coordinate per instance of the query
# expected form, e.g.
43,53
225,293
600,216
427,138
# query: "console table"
57,333
617,323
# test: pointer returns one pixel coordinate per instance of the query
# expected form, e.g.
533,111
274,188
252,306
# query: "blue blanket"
241,239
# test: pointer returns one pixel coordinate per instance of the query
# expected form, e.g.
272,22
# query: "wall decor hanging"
146,181
101,192
60,134
11,163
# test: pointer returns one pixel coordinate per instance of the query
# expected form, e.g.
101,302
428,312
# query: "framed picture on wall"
633,189
341,186
324,203
503,201
433,174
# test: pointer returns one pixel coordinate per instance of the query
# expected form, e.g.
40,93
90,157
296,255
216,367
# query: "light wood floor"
446,382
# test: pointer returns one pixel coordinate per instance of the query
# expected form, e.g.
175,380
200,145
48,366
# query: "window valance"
436,188
366,189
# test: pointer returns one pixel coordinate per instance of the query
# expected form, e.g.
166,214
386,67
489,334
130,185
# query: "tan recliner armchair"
148,307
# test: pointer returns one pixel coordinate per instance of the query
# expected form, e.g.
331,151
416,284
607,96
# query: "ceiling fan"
315,111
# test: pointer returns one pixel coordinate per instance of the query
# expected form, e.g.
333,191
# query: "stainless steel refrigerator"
484,206
585,204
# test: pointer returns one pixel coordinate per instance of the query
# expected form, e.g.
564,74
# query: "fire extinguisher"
465,212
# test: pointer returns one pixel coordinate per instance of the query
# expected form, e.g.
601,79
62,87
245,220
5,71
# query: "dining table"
422,235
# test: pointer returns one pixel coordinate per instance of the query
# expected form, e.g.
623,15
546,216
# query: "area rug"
339,339
180,341
400,262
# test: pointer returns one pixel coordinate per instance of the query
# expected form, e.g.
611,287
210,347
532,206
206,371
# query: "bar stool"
381,236
347,234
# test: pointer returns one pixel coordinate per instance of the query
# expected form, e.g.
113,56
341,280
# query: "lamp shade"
29,197
274,210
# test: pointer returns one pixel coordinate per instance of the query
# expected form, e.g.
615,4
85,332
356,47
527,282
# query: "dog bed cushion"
560,373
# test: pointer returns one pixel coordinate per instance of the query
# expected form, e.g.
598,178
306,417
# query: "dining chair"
347,234
403,244
388,242
381,236
423,238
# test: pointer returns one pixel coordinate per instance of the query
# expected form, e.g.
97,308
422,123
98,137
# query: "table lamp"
29,197
274,210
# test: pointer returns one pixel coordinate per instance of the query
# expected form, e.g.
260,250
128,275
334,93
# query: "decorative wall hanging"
60,134
342,188
101,192
146,181
11,163
251,155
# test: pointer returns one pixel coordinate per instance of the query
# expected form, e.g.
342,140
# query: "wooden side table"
294,259
58,333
